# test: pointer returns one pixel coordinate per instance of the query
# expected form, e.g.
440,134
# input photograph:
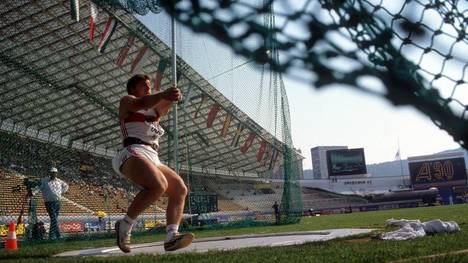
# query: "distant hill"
393,168
457,150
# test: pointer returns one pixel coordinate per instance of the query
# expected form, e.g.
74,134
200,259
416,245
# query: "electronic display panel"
200,203
438,172
346,162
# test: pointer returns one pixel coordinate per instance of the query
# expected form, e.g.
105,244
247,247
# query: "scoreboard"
438,172
346,162
200,203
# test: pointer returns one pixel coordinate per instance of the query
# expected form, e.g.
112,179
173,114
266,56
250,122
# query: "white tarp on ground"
414,228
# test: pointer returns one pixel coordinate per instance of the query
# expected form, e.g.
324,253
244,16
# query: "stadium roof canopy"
56,86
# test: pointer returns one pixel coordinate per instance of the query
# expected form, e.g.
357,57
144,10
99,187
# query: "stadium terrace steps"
226,205
87,187
64,199
78,200
241,195
113,201
14,193
318,199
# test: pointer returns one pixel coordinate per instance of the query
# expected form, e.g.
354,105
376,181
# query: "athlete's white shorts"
137,150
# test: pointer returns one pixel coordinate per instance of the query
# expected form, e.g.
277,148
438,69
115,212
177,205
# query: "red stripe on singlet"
123,130
132,151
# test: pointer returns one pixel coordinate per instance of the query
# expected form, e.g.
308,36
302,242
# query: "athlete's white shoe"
179,241
123,238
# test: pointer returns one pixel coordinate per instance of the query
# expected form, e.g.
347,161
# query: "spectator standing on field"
52,190
277,212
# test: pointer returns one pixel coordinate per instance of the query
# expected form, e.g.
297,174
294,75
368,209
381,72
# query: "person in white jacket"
52,190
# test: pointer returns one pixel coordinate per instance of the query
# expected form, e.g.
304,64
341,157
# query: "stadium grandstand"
60,91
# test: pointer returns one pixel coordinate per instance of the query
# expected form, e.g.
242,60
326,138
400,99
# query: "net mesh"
256,89
96,197
410,52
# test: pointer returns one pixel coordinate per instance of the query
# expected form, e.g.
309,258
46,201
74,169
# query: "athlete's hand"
172,94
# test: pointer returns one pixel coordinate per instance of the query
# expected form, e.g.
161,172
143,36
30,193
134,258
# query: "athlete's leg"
177,192
144,173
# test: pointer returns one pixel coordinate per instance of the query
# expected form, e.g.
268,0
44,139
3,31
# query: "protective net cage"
60,91
409,52
61,85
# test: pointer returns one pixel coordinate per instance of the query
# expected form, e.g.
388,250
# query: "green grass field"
354,249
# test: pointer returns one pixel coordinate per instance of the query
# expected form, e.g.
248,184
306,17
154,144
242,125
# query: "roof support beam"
23,30
105,128
29,106
111,139
90,95
98,81
62,120
97,136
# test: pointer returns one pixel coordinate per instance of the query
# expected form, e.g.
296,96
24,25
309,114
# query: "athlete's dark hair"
133,81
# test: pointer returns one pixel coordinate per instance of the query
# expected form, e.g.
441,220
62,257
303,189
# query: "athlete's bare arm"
163,107
131,103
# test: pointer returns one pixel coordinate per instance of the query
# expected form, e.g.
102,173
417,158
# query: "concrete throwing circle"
225,243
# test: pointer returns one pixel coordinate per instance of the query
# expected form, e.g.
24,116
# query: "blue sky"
341,116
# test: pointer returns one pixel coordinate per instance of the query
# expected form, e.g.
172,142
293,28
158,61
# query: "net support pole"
174,107
401,165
